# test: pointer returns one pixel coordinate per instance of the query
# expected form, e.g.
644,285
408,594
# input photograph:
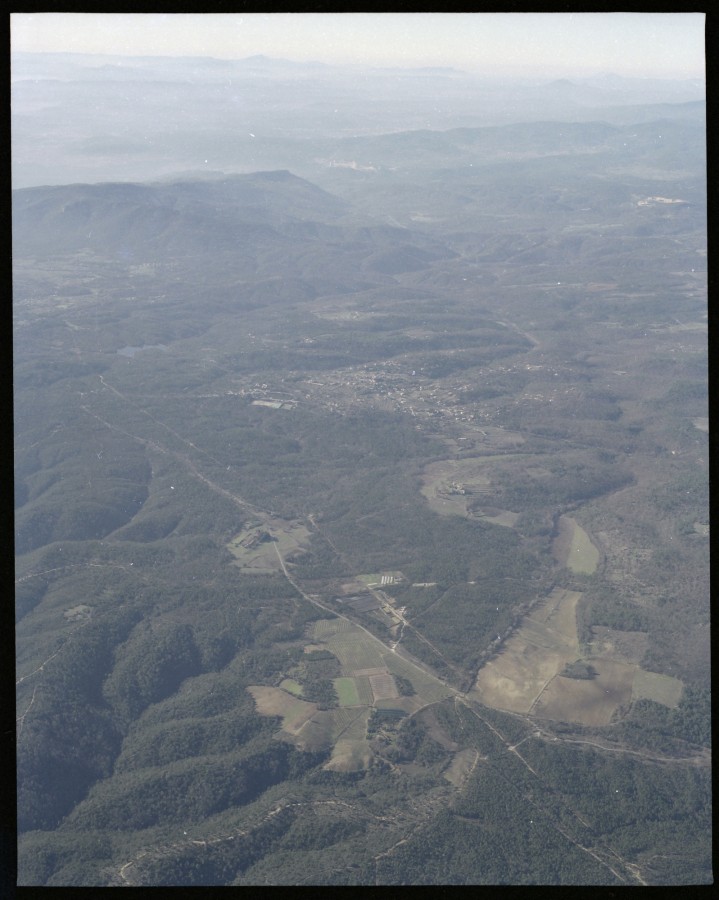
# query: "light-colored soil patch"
346,691
699,527
573,547
515,679
289,684
349,756
460,767
588,701
659,688
272,701
256,552
545,642
378,579
383,687
702,423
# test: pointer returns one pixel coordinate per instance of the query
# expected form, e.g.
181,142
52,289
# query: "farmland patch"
588,701
660,688
383,687
346,690
289,684
545,642
573,547
272,701
449,484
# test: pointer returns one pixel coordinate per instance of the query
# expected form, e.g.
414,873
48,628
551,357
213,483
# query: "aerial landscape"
361,477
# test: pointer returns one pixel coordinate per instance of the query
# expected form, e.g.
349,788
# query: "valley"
362,514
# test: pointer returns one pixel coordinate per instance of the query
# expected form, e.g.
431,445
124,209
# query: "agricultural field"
573,547
383,687
346,689
289,684
448,485
526,675
271,701
545,642
588,702
657,687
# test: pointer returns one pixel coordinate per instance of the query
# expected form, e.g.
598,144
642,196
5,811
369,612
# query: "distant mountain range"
95,118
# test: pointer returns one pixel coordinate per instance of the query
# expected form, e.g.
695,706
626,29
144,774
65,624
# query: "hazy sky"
553,44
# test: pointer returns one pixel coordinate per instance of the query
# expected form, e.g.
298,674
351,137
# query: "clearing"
660,688
497,516
573,547
255,547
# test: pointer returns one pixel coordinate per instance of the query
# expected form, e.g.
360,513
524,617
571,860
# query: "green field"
347,691
660,688
289,684
355,650
375,578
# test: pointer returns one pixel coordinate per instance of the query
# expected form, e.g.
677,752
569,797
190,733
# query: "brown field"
590,702
545,642
272,701
383,687
515,679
